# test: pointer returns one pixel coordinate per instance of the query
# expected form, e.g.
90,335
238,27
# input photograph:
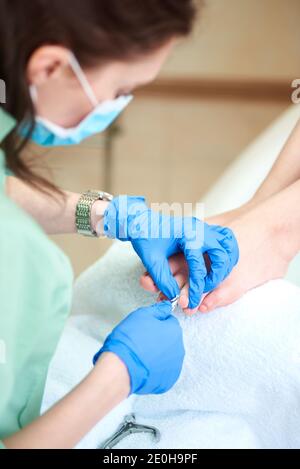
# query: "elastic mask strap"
83,79
33,93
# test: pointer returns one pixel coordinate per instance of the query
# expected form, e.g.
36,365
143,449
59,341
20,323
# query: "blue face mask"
49,134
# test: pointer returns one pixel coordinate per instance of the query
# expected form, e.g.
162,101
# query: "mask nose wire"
74,64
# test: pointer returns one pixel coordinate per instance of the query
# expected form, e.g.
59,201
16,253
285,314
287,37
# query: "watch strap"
84,210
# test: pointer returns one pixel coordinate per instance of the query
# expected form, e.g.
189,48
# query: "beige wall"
174,149
191,143
242,38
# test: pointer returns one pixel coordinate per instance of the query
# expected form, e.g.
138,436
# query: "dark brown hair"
95,30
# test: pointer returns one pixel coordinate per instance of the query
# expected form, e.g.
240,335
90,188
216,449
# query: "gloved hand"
149,342
156,237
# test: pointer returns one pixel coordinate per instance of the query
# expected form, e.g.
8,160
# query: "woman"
69,68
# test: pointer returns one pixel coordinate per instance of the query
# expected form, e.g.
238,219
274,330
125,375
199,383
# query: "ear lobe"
46,63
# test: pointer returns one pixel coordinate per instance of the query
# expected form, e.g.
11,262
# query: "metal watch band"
84,210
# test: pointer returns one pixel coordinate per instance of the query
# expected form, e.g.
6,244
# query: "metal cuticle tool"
129,427
174,302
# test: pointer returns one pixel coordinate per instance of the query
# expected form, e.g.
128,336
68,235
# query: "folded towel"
195,430
110,287
240,385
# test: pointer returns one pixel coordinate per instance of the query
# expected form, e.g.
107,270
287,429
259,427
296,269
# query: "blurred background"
220,89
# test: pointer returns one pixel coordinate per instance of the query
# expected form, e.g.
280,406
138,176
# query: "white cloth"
110,287
240,385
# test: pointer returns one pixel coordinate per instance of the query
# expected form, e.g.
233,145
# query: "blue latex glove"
149,342
157,237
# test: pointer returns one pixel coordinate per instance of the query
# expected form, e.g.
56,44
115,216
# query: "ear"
47,62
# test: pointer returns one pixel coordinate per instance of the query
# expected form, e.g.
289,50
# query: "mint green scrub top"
35,298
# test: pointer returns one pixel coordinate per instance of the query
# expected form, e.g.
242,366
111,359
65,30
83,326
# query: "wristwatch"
84,210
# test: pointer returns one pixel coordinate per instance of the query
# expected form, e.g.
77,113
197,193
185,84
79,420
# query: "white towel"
195,430
110,287
240,385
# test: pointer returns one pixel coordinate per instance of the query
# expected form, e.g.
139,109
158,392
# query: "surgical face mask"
49,134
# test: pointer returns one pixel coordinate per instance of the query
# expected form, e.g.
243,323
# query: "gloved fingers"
163,310
174,330
197,274
229,243
182,280
220,267
164,280
184,301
